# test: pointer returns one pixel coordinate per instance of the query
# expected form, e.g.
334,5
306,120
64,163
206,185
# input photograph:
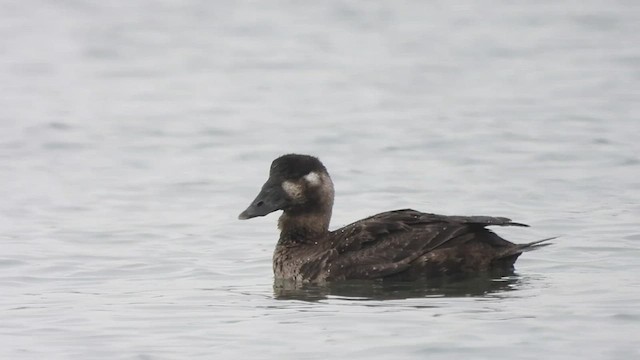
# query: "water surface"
133,133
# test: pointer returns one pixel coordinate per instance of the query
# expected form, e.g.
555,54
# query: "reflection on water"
479,285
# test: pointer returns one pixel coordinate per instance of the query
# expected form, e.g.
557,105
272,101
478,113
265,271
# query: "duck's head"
297,184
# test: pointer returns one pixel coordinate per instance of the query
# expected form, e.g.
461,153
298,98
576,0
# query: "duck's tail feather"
515,251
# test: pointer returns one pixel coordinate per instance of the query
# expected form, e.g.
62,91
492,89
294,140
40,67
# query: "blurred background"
132,133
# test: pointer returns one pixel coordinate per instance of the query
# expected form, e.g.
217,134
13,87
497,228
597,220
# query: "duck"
395,245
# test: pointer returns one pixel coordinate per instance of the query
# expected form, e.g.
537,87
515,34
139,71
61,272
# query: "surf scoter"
401,244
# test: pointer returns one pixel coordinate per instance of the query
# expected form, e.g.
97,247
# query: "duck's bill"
270,199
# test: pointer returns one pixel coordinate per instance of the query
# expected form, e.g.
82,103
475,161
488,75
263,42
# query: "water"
133,133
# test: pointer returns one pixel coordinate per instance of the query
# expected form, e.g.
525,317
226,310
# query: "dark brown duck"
401,244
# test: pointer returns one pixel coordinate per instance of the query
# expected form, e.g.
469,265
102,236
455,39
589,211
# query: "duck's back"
402,244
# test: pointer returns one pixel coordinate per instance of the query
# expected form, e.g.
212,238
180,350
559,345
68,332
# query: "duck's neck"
308,221
304,227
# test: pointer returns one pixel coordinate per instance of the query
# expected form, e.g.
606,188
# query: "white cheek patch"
292,189
313,179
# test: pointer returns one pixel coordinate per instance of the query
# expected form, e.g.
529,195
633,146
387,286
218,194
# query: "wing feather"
387,243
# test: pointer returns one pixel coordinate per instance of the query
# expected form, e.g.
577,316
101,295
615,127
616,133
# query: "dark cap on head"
293,166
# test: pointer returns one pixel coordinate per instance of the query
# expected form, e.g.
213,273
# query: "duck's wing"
387,243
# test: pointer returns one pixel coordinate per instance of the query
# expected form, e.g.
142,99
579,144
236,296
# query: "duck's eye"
260,203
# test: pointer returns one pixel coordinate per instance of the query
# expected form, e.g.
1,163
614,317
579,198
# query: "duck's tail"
520,248
510,255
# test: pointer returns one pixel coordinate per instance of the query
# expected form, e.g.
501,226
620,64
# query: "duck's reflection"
479,285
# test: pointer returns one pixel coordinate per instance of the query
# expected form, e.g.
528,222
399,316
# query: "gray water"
132,133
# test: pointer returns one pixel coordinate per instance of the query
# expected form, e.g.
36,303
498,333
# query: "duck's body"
401,244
